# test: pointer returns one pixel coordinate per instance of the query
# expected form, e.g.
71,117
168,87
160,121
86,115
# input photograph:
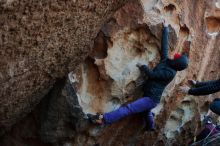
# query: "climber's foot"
96,119
207,120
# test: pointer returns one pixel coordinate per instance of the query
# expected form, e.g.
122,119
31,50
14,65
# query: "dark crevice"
184,30
170,8
100,47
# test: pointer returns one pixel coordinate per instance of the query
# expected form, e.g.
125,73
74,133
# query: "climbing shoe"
207,120
149,123
95,119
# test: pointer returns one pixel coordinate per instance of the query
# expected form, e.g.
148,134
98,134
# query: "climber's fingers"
184,89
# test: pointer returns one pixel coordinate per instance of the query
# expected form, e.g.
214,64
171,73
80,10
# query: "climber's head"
176,56
179,62
214,106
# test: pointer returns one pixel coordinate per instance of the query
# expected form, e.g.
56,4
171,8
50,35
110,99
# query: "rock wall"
39,43
108,77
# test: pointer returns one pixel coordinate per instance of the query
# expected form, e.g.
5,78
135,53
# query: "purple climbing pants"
144,104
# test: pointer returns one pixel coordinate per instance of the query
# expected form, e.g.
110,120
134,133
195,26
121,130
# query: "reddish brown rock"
39,39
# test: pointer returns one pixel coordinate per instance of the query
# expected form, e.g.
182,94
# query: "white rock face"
181,115
118,69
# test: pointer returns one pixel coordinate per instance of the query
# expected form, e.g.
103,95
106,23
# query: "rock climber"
204,88
157,80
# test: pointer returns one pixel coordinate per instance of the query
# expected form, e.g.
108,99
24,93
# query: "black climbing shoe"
149,123
95,119
207,120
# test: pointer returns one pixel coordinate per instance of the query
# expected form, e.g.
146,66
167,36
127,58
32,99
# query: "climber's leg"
140,105
149,121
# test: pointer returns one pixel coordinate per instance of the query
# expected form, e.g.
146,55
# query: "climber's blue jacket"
164,72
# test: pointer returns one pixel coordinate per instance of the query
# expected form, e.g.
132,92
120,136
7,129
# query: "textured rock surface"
39,40
108,76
